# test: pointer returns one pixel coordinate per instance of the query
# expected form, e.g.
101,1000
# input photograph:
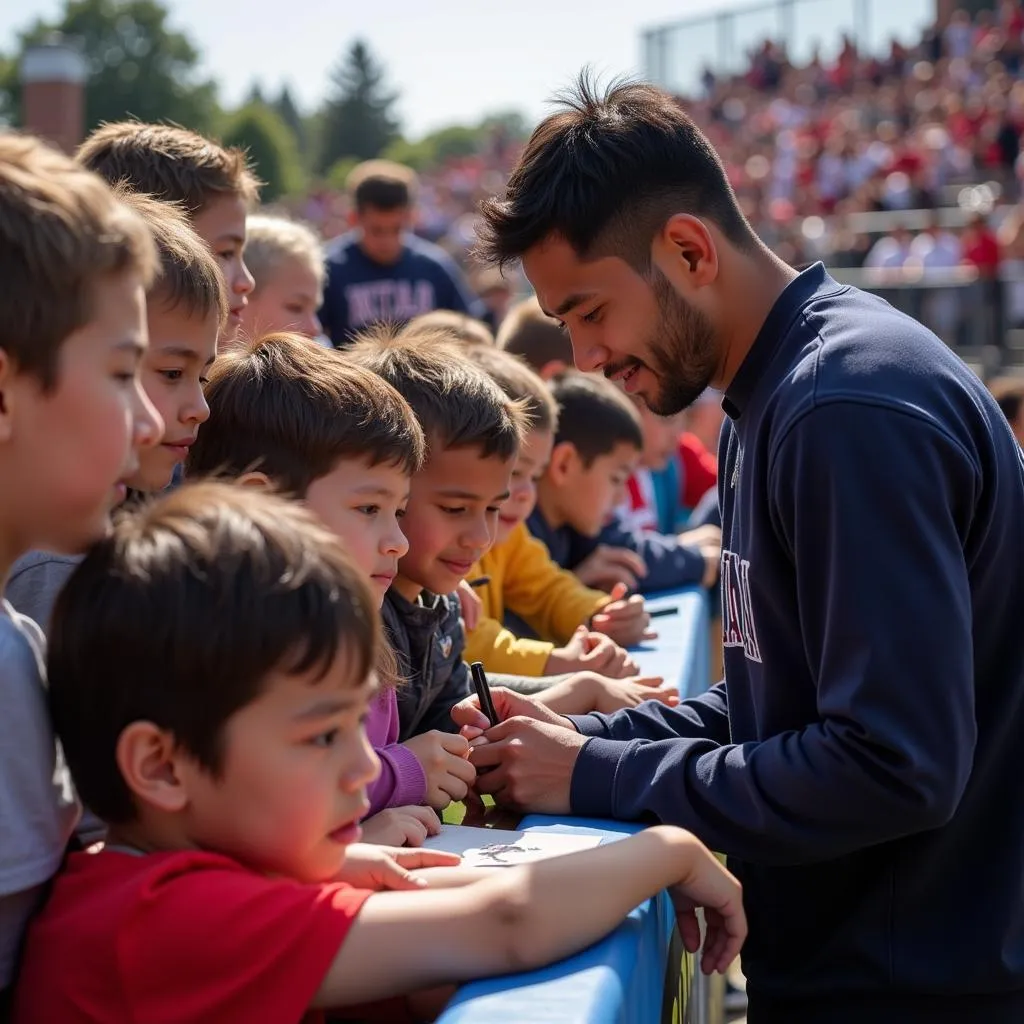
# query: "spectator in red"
980,247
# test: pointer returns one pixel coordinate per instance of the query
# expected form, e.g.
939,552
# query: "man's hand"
508,704
605,566
531,762
401,826
444,760
594,652
383,867
472,606
624,619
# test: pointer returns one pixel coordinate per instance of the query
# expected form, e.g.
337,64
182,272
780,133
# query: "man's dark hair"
605,173
286,407
381,184
594,416
457,403
180,614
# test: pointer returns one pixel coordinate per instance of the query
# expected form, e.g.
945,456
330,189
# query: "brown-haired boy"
186,307
74,263
528,332
214,185
523,578
307,422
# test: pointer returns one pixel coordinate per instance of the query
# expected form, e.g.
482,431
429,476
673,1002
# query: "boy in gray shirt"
74,262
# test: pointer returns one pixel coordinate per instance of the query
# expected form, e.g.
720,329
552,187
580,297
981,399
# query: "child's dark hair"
291,409
178,616
456,402
520,383
530,333
594,416
169,162
381,184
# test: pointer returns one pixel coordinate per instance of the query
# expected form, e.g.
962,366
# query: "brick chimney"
53,75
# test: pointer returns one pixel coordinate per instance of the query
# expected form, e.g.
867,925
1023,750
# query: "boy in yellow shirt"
588,624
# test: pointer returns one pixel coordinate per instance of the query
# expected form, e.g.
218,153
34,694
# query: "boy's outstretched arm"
520,918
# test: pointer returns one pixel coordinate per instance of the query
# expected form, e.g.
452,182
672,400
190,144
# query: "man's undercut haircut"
520,383
188,278
457,403
527,331
605,173
179,616
287,407
62,231
382,185
465,329
594,416
169,162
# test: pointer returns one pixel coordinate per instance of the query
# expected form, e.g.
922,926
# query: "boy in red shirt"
210,668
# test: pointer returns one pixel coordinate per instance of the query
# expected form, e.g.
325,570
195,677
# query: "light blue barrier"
633,975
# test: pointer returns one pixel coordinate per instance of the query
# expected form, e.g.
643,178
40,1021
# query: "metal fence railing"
675,55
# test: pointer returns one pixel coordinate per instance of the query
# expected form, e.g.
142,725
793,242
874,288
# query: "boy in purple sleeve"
299,418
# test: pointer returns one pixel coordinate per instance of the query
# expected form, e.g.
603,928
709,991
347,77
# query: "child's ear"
147,759
564,458
552,369
255,479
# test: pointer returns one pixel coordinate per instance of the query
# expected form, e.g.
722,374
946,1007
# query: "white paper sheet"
502,848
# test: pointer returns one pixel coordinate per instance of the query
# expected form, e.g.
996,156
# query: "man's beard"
683,351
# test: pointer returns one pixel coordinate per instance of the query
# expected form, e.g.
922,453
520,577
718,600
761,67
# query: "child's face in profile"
363,505
293,786
452,518
593,492
534,456
181,350
286,300
221,224
72,449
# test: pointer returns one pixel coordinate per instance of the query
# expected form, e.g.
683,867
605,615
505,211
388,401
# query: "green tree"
138,65
271,146
358,119
285,108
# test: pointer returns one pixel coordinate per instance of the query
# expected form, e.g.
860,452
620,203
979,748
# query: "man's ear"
8,383
564,460
255,479
353,218
147,758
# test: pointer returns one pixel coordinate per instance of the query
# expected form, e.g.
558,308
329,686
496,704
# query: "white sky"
452,60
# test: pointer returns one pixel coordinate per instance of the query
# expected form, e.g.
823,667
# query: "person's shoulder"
22,645
340,250
420,250
853,347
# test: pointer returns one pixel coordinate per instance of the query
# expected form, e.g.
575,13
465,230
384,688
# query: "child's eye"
204,381
171,374
493,509
400,513
452,511
325,739
593,316
368,510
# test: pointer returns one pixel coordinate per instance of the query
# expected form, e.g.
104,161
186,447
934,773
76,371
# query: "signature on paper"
498,853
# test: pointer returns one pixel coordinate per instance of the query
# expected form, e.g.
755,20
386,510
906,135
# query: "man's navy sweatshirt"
863,763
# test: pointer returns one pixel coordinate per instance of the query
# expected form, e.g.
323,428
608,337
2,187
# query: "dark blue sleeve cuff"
588,725
592,789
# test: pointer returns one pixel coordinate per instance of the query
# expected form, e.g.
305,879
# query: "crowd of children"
246,731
